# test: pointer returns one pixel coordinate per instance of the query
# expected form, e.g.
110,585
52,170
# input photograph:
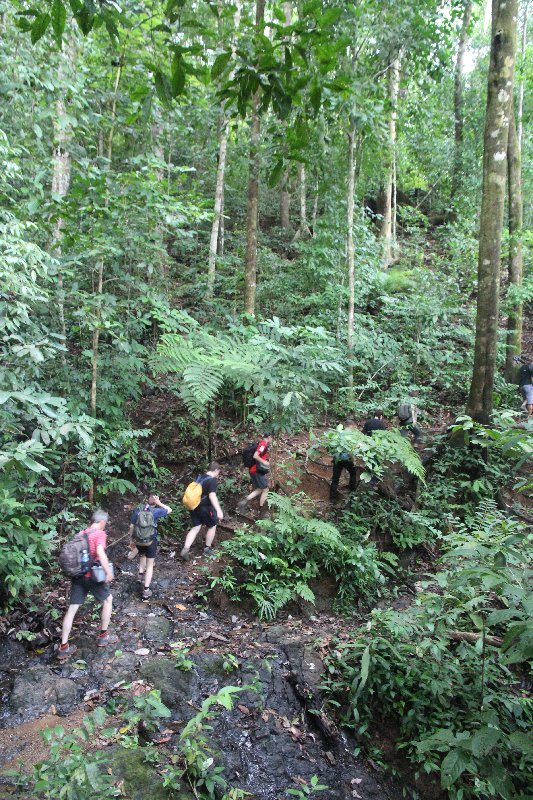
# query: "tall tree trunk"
100,262
284,201
514,188
253,188
520,110
61,166
219,193
499,97
458,111
284,195
350,249
221,170
303,231
386,225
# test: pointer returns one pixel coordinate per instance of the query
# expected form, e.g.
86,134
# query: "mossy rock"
140,778
176,687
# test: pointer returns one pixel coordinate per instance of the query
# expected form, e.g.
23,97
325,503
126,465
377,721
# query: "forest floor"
271,740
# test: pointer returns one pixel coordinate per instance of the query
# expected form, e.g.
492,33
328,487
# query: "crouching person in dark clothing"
340,462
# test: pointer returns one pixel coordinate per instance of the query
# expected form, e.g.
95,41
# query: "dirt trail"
267,744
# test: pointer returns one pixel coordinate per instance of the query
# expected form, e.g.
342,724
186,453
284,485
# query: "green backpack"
144,528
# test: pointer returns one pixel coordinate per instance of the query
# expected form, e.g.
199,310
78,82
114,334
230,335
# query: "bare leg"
210,536
67,623
255,493
142,565
189,539
149,571
107,608
263,497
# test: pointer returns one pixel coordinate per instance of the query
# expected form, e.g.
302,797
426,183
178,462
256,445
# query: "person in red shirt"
259,473
86,583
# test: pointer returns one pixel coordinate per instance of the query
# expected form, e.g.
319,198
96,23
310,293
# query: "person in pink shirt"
84,584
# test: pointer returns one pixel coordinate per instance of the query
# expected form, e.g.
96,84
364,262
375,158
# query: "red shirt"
262,450
96,537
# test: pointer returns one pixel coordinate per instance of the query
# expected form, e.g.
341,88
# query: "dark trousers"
407,428
338,467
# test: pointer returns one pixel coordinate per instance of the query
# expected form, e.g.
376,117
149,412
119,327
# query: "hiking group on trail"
84,559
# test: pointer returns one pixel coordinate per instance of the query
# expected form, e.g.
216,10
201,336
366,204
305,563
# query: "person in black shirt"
208,513
375,423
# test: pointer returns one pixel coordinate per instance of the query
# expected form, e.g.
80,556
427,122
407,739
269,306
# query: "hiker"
143,530
527,391
525,384
258,470
207,513
81,585
340,462
407,414
374,423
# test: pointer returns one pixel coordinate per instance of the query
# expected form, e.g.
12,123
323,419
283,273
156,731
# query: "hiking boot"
62,653
185,554
242,506
147,593
208,551
104,639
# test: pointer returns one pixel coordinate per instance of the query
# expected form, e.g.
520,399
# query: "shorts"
527,391
150,550
204,515
82,586
259,480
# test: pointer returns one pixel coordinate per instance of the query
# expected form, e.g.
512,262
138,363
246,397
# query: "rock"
11,653
156,629
176,687
123,668
140,778
64,694
37,688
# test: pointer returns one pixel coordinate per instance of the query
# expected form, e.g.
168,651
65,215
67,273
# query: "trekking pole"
118,541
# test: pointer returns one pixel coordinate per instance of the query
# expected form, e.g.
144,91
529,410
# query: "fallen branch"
470,636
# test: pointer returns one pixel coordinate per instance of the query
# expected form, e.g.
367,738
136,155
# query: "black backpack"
404,412
144,528
248,455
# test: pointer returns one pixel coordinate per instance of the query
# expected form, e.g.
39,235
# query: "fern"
374,451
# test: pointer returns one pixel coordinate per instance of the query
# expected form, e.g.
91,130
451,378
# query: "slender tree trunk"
221,170
285,196
499,97
221,228
350,249
253,188
219,192
285,202
514,188
315,210
303,231
458,111
61,167
520,110
100,263
386,225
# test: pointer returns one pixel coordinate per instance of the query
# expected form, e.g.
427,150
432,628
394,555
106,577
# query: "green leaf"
178,76
220,64
40,24
163,87
59,17
484,741
365,666
452,767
